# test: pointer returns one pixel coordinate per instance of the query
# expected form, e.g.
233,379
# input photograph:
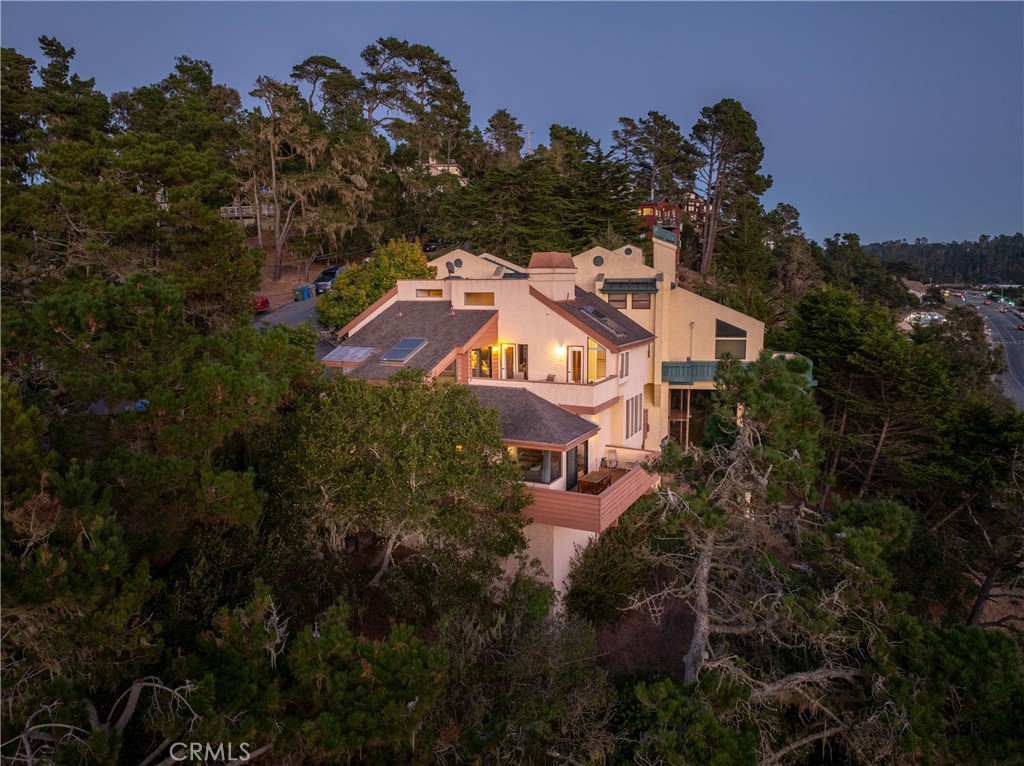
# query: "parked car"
432,245
325,280
260,304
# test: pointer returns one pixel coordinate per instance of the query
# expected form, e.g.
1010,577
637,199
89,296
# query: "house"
915,288
590,361
435,168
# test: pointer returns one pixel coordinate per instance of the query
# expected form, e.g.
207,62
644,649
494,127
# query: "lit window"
596,358
479,299
420,293
480,362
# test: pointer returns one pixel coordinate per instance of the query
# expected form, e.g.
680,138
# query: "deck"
590,512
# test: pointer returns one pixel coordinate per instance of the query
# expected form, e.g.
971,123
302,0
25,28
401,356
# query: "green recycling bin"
297,294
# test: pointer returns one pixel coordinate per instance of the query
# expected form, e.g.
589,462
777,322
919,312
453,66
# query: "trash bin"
305,292
297,294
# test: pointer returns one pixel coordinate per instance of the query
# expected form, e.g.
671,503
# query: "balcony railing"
690,373
591,513
244,211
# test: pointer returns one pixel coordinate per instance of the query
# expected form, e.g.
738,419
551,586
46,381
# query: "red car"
987,302
1021,327
260,304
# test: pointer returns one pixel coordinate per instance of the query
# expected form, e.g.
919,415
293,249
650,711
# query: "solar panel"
404,349
349,354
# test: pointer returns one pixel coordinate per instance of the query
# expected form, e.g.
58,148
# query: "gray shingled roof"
443,329
525,417
606,321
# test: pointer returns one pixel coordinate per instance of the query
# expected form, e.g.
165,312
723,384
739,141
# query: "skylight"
604,319
349,354
405,348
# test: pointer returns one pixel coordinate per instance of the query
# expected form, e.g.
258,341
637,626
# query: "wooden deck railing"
591,513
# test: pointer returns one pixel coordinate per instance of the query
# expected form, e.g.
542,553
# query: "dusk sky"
888,120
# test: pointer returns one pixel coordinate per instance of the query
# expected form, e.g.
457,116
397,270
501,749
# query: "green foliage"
670,723
845,265
606,572
358,287
967,704
773,397
23,458
568,199
522,683
73,601
440,471
987,260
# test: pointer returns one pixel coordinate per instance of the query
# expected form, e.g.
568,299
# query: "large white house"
591,362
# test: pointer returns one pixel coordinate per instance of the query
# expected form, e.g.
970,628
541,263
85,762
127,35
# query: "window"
574,371
617,300
448,373
641,300
421,293
539,466
514,361
480,362
634,414
479,299
596,356
730,339
624,364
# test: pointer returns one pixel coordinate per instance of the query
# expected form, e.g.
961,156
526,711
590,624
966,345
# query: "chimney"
553,275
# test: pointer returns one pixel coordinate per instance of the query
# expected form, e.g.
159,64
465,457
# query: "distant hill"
989,260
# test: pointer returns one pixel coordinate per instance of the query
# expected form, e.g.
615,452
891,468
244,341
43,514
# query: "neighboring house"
917,289
590,362
436,168
663,213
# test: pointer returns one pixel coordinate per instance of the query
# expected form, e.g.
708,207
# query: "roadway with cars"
1005,333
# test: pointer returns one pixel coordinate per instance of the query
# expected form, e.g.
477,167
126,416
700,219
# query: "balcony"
691,373
586,398
688,373
589,512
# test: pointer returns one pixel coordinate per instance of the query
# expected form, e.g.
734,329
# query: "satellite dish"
450,266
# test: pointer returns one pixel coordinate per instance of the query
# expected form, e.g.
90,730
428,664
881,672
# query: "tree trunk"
694,658
384,560
998,565
277,215
874,458
833,462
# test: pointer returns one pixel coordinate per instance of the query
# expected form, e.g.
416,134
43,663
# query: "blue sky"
888,120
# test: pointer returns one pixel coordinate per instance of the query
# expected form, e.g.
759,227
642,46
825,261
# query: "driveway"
293,314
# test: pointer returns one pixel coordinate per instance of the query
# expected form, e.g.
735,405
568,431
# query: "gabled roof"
443,329
526,418
590,313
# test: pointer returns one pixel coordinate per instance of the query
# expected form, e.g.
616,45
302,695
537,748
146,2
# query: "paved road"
1005,333
293,314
